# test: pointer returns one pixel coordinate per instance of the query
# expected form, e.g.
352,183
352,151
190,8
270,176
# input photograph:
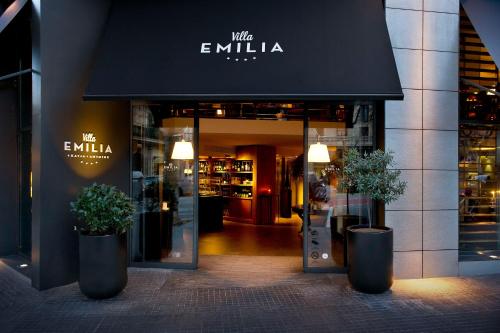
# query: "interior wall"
65,37
9,220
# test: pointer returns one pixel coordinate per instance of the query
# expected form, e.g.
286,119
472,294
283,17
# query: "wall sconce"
318,153
183,151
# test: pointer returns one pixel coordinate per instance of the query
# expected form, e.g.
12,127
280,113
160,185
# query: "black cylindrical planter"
103,265
370,258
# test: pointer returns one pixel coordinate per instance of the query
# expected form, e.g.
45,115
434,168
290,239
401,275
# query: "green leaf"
103,209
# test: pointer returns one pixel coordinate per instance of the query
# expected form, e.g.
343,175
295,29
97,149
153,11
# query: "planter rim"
382,229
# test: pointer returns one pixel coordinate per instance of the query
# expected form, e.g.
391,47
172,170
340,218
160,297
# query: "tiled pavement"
252,294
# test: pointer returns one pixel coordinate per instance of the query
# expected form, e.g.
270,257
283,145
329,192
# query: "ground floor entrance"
245,179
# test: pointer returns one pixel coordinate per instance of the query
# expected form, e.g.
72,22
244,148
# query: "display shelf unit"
240,180
217,177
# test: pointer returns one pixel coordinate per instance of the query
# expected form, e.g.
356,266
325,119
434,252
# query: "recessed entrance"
245,172
240,179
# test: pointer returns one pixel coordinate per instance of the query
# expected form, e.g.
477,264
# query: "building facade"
43,106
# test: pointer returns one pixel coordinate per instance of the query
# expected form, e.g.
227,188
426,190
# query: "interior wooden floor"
281,239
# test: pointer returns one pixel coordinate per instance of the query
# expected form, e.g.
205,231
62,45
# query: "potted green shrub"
370,246
105,214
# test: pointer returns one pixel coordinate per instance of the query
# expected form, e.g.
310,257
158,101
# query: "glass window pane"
162,185
332,130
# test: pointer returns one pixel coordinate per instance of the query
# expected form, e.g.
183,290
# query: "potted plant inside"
105,214
370,246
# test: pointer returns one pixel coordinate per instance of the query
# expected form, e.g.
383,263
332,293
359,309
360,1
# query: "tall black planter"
103,265
370,258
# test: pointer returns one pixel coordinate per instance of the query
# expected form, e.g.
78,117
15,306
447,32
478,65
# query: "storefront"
323,65
111,96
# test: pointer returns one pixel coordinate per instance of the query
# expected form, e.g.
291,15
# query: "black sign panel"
233,49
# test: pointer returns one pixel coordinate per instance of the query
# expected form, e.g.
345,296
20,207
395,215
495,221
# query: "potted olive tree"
370,246
105,214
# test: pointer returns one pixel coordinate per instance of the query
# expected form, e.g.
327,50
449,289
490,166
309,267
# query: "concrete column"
422,131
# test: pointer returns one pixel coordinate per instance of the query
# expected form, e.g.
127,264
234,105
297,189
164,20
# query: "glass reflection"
333,130
162,186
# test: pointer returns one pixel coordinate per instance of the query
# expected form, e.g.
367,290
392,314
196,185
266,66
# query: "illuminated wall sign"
242,47
88,150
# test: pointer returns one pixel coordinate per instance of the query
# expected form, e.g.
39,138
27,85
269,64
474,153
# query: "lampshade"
318,153
183,151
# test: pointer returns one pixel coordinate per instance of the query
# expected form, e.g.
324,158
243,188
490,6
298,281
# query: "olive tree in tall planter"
370,247
105,214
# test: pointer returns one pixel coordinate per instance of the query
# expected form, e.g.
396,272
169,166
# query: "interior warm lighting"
482,148
219,112
318,153
183,151
164,206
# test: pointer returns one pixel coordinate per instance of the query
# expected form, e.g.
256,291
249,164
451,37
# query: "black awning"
234,49
485,17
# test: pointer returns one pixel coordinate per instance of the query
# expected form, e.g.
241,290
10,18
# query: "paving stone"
252,294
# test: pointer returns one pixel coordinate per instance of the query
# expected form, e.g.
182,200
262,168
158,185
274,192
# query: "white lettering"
249,50
78,147
242,36
205,47
237,45
221,48
88,137
108,150
276,48
67,145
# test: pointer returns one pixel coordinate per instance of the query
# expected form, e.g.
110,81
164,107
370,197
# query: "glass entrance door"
164,186
329,131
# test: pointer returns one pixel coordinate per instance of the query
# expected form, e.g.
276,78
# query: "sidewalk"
252,294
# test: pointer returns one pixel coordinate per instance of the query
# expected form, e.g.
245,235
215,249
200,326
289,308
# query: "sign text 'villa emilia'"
242,47
88,150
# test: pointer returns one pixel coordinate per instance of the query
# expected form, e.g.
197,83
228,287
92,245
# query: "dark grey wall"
8,172
63,52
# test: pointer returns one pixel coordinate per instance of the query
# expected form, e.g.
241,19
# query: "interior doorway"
246,186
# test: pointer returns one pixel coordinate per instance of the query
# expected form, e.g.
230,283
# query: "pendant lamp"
318,153
183,151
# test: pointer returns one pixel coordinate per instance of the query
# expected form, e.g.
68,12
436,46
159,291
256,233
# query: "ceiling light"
183,151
